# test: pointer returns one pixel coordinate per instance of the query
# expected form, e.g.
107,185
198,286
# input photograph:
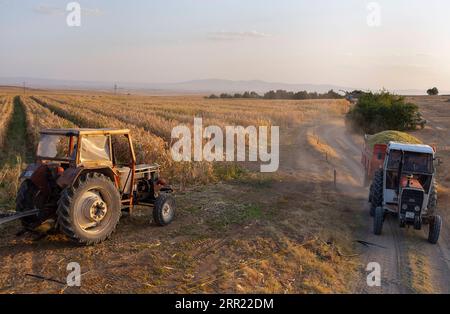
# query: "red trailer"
372,159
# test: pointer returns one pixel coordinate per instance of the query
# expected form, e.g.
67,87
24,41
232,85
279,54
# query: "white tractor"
405,187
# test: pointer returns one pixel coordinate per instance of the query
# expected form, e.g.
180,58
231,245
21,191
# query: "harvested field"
236,230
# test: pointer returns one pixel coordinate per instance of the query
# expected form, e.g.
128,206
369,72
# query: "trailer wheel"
434,229
89,211
164,209
376,197
378,220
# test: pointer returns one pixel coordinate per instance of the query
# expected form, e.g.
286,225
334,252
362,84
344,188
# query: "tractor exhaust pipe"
17,216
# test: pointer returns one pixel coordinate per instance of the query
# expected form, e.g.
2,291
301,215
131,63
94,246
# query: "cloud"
58,11
223,35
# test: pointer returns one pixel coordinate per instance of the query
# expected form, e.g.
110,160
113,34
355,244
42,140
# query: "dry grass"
6,111
9,184
39,117
151,120
316,143
420,272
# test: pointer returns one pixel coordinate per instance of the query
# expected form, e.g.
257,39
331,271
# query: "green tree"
376,112
433,91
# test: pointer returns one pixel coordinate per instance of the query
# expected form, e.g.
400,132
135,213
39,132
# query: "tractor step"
17,216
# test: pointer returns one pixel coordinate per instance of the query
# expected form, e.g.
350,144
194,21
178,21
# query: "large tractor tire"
89,211
433,199
378,221
376,192
28,198
434,229
164,209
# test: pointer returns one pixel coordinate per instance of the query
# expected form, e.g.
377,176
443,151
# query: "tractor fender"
29,171
69,177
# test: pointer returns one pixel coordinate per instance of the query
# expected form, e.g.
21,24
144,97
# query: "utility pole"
115,89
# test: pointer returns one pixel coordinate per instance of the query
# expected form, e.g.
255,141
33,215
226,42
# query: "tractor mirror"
438,161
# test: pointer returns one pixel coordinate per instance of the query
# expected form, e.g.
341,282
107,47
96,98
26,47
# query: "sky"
395,44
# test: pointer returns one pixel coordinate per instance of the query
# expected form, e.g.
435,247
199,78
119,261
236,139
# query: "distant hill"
189,87
195,86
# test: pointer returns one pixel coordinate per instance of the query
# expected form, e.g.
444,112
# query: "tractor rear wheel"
378,220
89,211
434,229
28,198
376,192
164,209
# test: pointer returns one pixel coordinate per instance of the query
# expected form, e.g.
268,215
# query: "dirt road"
408,262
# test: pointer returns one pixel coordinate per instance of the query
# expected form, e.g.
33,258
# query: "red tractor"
83,179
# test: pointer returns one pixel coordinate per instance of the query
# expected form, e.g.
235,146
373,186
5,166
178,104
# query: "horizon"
289,42
180,87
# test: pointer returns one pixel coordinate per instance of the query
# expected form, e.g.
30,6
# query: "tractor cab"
82,147
407,167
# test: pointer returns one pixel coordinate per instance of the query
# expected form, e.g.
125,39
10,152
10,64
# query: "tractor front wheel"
164,209
89,211
434,229
432,201
378,220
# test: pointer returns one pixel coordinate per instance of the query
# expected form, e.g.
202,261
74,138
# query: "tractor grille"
412,198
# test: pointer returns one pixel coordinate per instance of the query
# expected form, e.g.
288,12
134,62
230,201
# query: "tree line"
279,94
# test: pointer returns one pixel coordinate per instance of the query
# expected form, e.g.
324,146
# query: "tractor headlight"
417,208
405,206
